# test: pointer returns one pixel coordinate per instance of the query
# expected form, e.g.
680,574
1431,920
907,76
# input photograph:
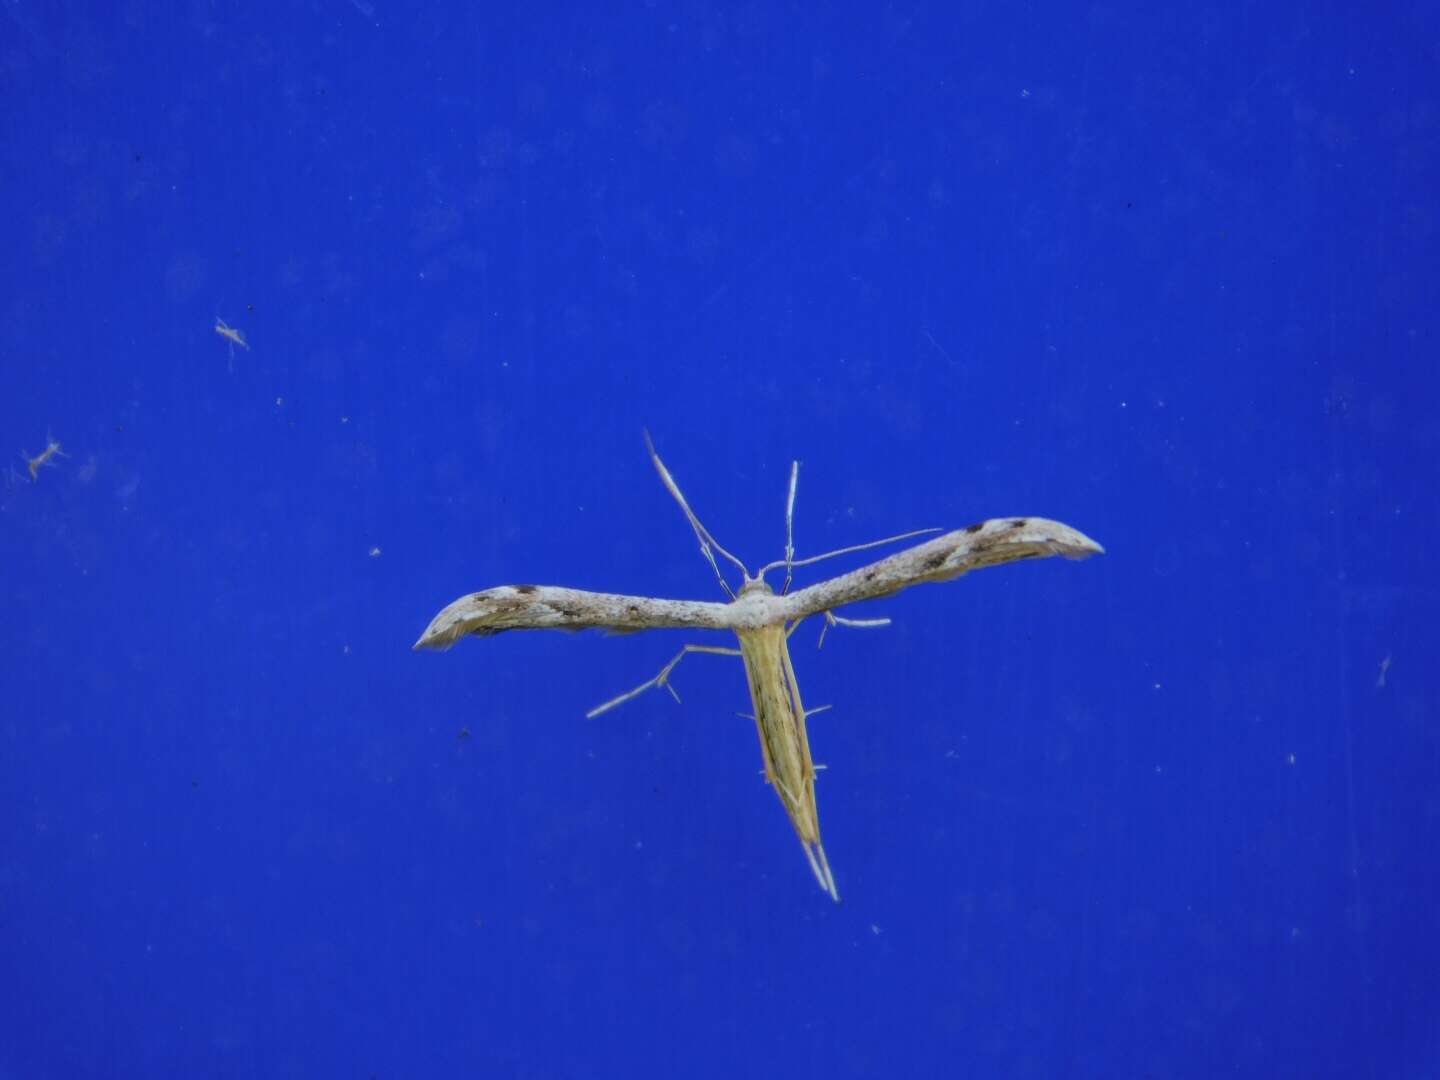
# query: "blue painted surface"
1169,277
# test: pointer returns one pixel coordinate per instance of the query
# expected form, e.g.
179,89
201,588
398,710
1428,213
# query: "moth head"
756,586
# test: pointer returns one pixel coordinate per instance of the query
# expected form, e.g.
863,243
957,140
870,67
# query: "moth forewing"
987,543
549,607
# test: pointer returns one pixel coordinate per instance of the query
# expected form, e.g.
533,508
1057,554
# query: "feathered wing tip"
1063,540
447,627
1002,540
494,611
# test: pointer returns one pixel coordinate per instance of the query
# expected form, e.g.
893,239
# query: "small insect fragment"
43,458
233,337
230,334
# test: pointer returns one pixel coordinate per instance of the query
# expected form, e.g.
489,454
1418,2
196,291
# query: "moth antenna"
790,526
708,544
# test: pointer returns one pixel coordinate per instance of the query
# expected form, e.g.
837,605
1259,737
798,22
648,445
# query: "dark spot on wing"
937,560
975,528
1018,523
526,590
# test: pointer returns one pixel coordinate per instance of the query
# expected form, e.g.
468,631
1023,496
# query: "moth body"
762,621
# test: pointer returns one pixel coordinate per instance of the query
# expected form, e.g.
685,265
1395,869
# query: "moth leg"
831,619
662,679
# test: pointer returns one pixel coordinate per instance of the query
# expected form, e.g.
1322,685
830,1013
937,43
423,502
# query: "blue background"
1169,277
